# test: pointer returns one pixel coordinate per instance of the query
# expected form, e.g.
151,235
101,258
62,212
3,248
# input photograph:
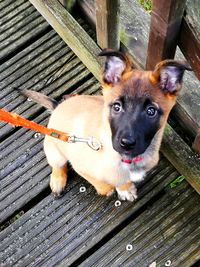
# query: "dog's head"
138,102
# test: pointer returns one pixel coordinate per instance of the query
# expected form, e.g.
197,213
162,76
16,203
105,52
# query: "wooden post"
164,30
107,23
189,42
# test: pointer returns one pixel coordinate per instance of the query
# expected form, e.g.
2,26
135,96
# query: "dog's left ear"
168,74
116,65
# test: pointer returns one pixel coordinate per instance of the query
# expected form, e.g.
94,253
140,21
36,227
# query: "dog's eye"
117,107
151,111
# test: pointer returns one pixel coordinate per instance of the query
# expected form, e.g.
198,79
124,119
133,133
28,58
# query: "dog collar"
134,160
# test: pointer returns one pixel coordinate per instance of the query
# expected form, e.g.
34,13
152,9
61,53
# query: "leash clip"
90,141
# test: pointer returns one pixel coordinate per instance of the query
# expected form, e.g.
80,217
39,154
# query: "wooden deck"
81,228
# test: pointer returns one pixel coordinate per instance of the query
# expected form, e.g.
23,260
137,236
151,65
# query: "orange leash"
17,120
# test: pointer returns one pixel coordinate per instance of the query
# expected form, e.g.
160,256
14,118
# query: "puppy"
128,120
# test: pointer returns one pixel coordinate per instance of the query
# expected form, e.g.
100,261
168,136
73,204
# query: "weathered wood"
160,233
59,228
182,157
71,32
186,122
6,7
189,40
166,19
107,23
16,37
19,23
196,143
16,14
3,4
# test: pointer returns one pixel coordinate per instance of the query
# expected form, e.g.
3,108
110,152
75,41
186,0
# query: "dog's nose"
127,143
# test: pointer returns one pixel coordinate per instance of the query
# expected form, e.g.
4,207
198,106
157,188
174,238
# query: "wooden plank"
5,3
25,5
182,157
26,69
57,229
107,23
18,21
166,230
196,143
165,25
27,25
10,35
189,40
8,7
71,32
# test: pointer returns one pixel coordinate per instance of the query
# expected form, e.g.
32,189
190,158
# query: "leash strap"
17,120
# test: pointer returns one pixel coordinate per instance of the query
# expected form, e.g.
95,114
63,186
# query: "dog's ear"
115,66
168,74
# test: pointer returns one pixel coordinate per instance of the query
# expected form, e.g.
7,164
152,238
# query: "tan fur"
58,179
125,186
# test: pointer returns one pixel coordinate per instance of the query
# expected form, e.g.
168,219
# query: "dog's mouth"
127,160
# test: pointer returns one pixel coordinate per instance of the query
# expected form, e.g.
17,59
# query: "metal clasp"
90,141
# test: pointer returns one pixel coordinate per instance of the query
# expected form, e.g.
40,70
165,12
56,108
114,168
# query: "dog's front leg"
58,180
102,188
127,191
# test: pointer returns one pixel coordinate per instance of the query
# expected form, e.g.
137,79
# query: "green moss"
177,181
12,220
146,4
123,36
168,130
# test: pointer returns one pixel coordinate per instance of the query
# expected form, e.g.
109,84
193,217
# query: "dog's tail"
43,100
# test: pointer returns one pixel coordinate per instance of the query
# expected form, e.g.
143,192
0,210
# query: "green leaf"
177,181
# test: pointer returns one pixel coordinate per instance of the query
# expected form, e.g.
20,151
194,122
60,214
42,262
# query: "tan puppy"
128,120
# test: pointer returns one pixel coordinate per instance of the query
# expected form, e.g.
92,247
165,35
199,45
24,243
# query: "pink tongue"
129,161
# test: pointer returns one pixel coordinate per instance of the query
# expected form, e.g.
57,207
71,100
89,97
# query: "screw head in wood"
129,247
117,203
82,189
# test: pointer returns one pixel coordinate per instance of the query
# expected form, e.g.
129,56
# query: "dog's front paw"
57,186
130,194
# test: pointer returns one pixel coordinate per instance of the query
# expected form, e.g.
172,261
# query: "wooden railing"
169,28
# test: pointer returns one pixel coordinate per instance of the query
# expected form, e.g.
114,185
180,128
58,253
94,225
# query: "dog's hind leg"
57,161
127,191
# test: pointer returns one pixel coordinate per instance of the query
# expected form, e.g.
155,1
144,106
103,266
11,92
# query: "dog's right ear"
116,65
